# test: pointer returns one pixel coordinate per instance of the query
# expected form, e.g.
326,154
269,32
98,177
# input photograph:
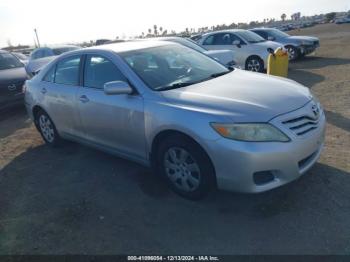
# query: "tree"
283,17
330,16
9,43
155,30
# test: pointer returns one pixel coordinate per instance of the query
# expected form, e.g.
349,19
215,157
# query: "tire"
293,53
47,129
254,64
185,166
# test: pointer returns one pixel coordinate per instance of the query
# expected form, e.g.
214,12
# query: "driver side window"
236,38
100,70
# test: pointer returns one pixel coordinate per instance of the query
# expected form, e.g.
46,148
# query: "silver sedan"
198,124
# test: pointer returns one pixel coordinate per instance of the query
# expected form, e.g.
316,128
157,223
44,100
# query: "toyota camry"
199,125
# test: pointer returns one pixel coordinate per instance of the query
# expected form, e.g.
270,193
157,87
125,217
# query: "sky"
64,21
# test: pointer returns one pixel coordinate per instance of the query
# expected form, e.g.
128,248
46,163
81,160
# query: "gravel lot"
77,200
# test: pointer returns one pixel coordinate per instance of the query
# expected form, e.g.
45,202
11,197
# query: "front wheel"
292,53
186,167
254,64
47,129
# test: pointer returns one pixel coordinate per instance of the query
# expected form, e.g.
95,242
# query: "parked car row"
251,46
199,124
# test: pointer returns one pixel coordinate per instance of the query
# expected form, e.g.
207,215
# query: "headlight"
318,104
251,132
306,43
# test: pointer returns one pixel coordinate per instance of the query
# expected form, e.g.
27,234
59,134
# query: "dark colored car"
12,77
297,46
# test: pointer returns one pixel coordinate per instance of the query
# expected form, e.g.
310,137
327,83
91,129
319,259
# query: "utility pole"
37,38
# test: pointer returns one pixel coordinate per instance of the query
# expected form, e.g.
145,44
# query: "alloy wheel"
291,53
182,169
253,65
46,128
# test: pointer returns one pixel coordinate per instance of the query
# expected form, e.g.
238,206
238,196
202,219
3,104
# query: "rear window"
61,50
67,71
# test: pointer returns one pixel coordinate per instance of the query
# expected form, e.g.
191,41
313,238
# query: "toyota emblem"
315,110
11,87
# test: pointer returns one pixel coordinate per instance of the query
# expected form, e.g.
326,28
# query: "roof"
263,28
225,31
129,46
3,51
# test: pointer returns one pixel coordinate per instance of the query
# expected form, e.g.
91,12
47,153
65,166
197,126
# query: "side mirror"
271,38
237,43
117,88
271,51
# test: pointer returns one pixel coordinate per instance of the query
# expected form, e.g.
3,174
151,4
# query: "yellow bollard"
277,63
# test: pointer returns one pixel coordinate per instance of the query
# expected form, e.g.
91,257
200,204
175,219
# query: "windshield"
250,37
9,61
172,66
190,43
20,56
61,50
278,34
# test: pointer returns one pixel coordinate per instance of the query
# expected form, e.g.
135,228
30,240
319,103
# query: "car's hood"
12,75
243,96
303,38
269,44
35,65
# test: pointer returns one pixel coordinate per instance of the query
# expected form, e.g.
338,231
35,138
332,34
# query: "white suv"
250,50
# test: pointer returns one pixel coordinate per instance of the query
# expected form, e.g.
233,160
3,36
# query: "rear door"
113,121
59,90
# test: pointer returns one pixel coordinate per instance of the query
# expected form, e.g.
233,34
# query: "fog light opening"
263,177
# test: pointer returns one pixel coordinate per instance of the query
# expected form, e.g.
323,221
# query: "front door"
113,121
224,41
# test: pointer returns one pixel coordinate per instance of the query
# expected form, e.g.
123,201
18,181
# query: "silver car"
198,124
43,55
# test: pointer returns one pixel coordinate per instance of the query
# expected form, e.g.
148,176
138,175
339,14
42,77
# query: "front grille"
302,125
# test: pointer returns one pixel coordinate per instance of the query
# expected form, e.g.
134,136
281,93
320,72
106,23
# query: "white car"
251,50
225,57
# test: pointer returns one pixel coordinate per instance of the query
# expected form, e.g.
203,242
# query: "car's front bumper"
308,49
237,164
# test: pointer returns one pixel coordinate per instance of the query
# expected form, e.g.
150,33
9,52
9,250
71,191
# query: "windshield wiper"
219,74
183,84
176,85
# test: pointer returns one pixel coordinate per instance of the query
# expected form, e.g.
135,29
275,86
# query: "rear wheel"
47,129
254,64
186,167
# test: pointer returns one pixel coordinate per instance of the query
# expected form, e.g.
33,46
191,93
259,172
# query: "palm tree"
160,30
155,30
283,17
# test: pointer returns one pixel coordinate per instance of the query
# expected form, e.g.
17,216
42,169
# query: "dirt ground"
76,200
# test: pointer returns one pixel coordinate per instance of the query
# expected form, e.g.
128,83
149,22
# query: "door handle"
43,91
84,99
